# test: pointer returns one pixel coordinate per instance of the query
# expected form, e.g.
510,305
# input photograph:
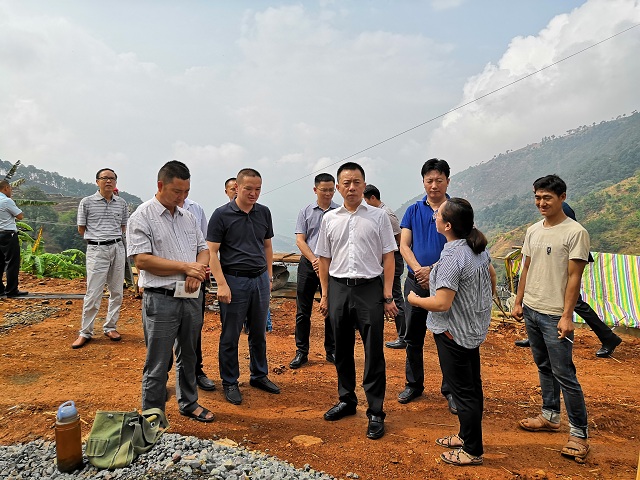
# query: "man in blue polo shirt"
241,233
420,246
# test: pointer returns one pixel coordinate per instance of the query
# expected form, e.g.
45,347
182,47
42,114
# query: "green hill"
600,164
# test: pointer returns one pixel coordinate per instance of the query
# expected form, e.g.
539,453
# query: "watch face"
388,300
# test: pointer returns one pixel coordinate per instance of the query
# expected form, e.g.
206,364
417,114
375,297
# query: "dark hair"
551,183
371,191
103,169
324,177
435,164
232,179
247,172
350,166
173,169
4,184
459,213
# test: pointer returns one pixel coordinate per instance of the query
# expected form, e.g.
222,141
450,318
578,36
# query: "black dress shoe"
299,360
205,383
17,293
453,408
232,394
340,410
523,343
331,358
375,429
263,383
607,350
398,343
409,394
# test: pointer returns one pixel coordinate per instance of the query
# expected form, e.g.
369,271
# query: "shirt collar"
160,209
362,205
332,206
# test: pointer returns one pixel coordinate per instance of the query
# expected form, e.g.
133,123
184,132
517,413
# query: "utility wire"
453,109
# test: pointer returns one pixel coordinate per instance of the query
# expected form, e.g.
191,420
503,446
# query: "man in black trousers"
9,243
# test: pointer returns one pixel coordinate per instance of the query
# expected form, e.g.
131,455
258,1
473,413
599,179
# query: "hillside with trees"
600,164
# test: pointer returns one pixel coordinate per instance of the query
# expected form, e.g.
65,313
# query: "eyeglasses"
107,179
326,190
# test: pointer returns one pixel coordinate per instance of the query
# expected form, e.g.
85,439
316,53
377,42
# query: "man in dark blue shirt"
241,233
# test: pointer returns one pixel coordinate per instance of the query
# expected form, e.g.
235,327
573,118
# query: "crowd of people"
354,253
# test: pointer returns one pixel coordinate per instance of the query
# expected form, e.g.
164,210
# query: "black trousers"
359,307
308,283
416,321
397,295
461,370
9,261
591,318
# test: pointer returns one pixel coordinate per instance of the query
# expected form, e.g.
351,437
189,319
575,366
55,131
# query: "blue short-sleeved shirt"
241,235
426,242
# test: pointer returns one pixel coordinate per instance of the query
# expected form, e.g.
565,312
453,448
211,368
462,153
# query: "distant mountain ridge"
54,183
591,159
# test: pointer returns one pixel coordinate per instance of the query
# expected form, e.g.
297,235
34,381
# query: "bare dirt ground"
39,371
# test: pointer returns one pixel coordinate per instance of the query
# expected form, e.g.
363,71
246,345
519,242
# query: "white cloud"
596,85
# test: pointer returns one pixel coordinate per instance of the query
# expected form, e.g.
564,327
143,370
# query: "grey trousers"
105,265
167,321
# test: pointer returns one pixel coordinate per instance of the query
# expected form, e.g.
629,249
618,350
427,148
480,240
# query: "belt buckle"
354,280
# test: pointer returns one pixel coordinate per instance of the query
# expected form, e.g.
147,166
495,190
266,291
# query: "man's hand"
316,265
390,309
224,293
196,270
422,276
517,313
324,305
191,284
565,326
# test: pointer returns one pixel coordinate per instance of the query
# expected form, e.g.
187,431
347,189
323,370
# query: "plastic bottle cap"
67,411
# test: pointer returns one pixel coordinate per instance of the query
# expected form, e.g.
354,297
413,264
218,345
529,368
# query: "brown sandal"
539,424
447,442
460,458
576,448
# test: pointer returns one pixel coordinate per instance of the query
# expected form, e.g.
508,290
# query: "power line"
453,109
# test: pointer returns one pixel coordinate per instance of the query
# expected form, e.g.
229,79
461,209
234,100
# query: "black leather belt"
161,291
7,232
411,276
354,282
244,273
106,242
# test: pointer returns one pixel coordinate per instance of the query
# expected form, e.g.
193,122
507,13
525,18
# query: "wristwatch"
388,300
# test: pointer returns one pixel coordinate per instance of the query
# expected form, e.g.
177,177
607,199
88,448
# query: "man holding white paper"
168,248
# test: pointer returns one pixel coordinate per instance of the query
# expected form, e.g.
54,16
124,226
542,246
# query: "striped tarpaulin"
611,285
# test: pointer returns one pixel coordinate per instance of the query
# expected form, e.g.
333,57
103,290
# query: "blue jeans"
249,300
557,372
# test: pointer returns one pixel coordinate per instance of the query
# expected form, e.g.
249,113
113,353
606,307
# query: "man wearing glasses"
102,219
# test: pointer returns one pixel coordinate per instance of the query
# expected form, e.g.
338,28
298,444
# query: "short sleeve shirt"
241,235
102,218
550,249
309,220
153,230
426,242
356,241
8,213
198,212
466,273
395,223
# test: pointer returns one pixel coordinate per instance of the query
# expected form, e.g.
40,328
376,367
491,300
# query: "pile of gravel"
173,457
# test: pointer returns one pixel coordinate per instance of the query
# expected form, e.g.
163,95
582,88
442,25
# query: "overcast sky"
293,88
